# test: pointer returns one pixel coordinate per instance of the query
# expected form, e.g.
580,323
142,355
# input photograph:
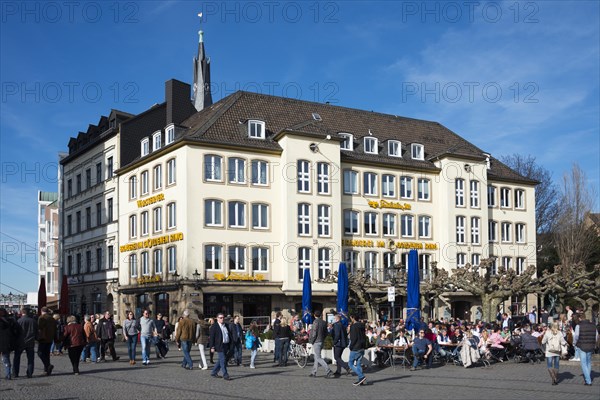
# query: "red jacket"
74,335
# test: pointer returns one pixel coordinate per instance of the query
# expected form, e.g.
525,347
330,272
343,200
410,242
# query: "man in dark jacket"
9,334
276,333
316,338
107,332
237,334
358,342
46,334
29,331
340,342
585,338
219,338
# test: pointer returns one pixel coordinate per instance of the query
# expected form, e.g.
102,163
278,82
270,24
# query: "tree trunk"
489,305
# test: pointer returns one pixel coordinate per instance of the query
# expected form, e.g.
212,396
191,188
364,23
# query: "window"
520,265
133,265
370,145
78,221
417,152
425,262
158,261
69,225
133,226
370,223
88,218
424,226
156,141
347,142
520,233
370,183
111,257
133,187
474,186
237,170
423,189
171,177
70,270
88,261
109,210
260,216
303,176
256,129
406,187
323,220
98,172
98,214
144,222
491,196
322,178
213,257
394,148
389,260
69,188
145,263
475,222
505,233
406,222
505,197
460,229
170,135
475,259
260,259
304,261
172,259
351,259
79,264
324,262
171,216
461,260
507,263
260,173
88,178
145,147
389,224
212,168
350,182
494,267
237,214
157,172
99,259
78,180
459,186
350,222
303,219
213,211
371,264
157,217
520,199
493,228
388,185
237,258
144,178
109,167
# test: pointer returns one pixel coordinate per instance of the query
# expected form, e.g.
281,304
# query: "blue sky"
511,77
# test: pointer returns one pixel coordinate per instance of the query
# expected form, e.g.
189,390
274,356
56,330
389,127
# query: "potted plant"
268,342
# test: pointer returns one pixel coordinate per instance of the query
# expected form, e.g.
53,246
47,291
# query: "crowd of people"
93,338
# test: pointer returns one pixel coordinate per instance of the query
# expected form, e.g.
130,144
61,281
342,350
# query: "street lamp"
392,272
196,276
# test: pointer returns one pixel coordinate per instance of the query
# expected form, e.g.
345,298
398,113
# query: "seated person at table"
422,347
442,339
497,343
530,345
401,339
484,341
382,353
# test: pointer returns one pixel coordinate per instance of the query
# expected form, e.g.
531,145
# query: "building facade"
48,230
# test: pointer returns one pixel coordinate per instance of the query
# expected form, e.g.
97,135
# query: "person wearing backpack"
358,342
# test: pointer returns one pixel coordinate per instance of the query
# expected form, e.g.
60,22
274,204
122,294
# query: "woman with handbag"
554,341
74,340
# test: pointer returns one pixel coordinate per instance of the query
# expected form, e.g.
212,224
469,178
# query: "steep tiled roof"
225,123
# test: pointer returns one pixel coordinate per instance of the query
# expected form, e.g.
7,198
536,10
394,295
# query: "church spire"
202,97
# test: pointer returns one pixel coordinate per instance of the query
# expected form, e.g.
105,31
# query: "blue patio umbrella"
342,293
307,317
413,293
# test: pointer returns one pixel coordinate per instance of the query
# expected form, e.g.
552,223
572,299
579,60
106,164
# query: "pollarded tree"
437,284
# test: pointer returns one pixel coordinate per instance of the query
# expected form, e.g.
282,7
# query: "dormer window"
169,135
347,141
145,147
394,148
417,152
256,129
156,141
371,145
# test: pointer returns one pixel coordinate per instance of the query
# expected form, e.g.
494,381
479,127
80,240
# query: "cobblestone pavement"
165,379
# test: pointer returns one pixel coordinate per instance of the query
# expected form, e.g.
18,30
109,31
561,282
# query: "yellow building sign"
382,244
150,200
149,243
389,204
149,279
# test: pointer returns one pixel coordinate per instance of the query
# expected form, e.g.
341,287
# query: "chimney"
179,105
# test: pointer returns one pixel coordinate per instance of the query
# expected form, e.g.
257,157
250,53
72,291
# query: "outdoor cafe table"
401,350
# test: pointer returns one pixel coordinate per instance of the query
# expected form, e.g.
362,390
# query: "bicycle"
298,353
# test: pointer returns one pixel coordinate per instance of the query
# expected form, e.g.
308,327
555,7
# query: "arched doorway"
109,303
162,304
143,302
462,310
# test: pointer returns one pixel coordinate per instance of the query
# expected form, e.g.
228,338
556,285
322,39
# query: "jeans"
110,343
354,362
317,346
253,353
277,351
237,352
284,348
221,362
6,363
552,362
89,350
186,346
30,351
204,364
44,354
146,343
418,353
585,358
131,346
337,355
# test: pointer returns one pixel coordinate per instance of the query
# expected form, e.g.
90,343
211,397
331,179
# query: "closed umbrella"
42,299
307,317
342,293
413,293
63,307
